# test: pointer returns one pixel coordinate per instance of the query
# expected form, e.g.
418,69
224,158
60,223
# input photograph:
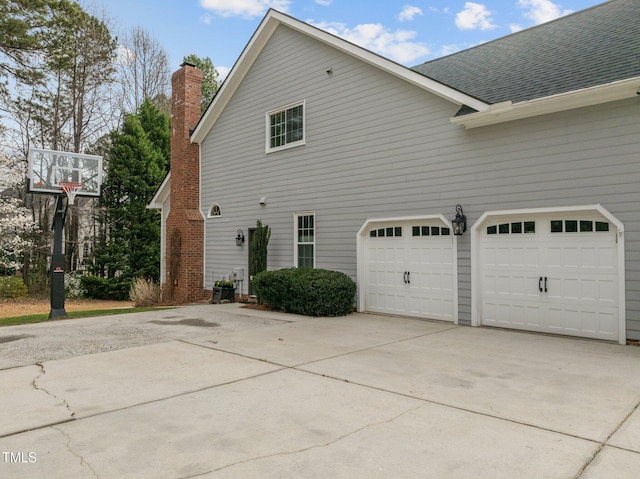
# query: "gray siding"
379,147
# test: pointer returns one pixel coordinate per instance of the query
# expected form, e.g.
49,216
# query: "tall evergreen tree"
209,79
137,164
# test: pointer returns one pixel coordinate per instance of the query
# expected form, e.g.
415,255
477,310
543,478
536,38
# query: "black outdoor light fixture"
459,223
240,238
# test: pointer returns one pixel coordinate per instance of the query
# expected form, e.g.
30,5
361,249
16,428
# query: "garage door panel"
578,293
410,274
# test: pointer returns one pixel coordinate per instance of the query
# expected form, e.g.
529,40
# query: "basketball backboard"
47,169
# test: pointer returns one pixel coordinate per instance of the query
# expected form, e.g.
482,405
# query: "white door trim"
475,257
360,238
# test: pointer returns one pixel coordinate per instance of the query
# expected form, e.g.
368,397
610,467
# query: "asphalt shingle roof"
588,48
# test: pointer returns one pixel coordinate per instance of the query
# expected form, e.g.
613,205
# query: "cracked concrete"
358,397
38,388
83,463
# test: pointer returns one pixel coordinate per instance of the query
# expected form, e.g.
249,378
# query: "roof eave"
262,35
507,111
161,195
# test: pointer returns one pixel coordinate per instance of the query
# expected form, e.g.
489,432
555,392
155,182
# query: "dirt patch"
21,307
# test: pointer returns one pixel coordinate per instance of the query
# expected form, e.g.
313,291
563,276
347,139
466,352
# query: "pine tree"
137,164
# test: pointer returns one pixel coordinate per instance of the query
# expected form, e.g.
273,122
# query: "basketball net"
71,189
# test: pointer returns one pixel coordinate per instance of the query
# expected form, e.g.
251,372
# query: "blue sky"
406,31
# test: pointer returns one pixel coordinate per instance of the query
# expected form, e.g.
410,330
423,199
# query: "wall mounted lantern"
240,238
459,223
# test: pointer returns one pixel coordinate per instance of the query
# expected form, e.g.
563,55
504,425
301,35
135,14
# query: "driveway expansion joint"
604,443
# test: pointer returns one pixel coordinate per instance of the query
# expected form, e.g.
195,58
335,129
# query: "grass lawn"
39,318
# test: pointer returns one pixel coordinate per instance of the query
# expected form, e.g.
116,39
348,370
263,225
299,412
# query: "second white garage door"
409,269
553,273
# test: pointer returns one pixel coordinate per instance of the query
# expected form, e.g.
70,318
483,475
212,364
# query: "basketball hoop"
71,189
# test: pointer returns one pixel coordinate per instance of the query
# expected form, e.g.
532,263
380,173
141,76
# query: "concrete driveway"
216,391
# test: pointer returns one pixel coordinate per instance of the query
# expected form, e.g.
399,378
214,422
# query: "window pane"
445,231
294,124
516,227
415,231
586,226
602,226
373,233
398,231
503,228
529,227
435,231
389,231
425,231
381,233
305,256
492,230
571,226
556,226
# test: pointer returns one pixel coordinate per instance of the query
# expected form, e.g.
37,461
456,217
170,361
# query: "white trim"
475,274
269,114
295,235
209,215
272,20
161,195
507,111
360,264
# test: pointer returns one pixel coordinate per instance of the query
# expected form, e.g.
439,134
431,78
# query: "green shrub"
106,288
308,291
12,287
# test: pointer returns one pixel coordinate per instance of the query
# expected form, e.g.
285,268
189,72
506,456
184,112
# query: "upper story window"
285,127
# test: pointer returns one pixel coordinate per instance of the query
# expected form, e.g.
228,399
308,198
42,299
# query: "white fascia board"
161,195
260,38
507,111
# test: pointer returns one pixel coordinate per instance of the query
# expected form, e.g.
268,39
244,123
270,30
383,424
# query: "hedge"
106,288
308,291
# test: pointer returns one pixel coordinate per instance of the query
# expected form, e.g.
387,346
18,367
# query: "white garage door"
409,269
553,273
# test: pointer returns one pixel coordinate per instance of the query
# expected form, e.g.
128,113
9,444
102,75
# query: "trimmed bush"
308,291
106,288
12,287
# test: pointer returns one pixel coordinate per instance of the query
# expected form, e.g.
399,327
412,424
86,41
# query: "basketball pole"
58,261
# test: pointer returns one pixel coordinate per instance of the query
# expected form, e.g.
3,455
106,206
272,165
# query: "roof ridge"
523,31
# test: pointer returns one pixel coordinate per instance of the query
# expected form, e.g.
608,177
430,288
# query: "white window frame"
293,144
295,236
210,215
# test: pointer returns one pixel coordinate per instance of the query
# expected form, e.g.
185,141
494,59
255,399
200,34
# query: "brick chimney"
185,224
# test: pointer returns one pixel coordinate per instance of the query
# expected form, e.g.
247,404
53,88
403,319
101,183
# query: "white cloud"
541,11
449,49
324,3
408,12
222,73
515,28
206,19
124,56
375,37
244,8
474,16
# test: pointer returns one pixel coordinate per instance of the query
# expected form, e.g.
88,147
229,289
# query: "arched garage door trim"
476,268
363,235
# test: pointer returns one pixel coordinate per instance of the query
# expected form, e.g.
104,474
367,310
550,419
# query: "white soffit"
507,111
